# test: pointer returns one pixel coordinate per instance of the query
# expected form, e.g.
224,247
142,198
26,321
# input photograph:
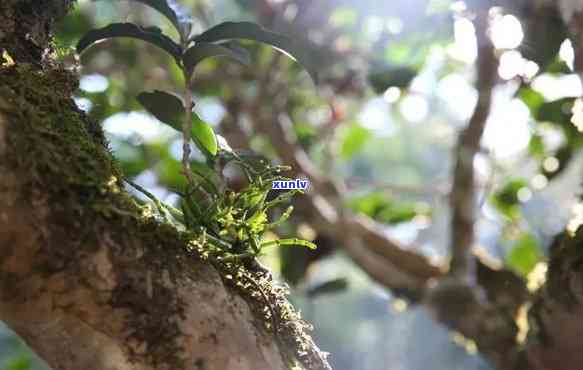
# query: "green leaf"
254,32
557,111
536,146
169,109
400,212
20,362
152,35
306,133
203,135
383,208
353,140
558,67
209,179
163,7
203,50
525,254
533,99
166,107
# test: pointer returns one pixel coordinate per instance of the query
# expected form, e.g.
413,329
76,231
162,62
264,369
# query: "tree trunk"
556,316
87,278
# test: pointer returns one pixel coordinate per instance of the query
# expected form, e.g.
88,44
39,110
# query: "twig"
189,105
403,269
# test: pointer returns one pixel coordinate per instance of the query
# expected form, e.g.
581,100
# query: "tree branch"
88,279
371,248
463,194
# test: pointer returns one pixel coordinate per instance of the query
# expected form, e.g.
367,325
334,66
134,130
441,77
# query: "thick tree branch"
96,293
88,278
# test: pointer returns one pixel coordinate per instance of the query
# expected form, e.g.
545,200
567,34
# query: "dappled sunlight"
557,87
506,32
136,126
508,132
464,48
435,148
93,83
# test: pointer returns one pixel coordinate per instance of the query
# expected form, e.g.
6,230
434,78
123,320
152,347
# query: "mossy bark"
87,277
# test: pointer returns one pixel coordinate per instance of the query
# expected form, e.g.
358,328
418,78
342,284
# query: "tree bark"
88,278
556,316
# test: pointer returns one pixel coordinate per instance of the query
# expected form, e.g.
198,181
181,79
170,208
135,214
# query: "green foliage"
196,54
384,209
20,362
204,136
232,225
536,146
306,133
163,7
556,111
506,199
166,107
254,32
533,99
191,50
559,113
353,139
228,224
525,254
169,109
152,35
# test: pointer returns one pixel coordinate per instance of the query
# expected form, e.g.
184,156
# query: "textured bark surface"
88,278
556,316
84,279
25,27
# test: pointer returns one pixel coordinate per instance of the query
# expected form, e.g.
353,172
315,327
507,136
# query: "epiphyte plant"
232,223
218,41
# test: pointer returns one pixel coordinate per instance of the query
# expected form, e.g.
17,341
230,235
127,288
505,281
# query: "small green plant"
231,224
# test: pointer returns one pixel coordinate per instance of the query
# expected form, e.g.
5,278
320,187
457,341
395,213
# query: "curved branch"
463,192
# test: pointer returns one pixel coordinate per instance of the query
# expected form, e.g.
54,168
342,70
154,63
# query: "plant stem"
186,129
162,209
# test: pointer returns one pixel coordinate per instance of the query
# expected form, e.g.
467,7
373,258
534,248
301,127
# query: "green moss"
57,149
55,143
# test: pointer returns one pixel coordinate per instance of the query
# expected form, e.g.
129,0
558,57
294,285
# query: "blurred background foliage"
396,88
